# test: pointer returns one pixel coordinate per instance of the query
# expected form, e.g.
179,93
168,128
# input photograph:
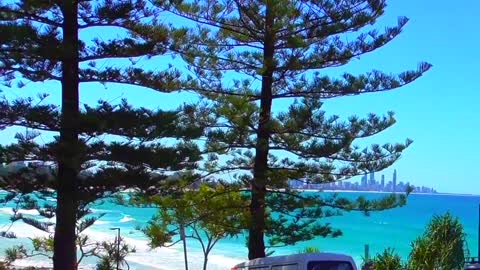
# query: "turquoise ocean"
395,228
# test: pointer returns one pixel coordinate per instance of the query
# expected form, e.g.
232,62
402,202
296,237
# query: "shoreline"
144,258
377,231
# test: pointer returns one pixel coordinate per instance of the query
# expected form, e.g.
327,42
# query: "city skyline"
368,182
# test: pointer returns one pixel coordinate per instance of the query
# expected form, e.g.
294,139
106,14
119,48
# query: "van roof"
321,256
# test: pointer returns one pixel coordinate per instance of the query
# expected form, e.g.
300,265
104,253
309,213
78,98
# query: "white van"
307,261
472,266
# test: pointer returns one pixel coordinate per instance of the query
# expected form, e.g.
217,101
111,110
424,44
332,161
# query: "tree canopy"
97,149
207,215
262,70
263,67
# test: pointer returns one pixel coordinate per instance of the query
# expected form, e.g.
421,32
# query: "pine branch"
43,226
87,222
121,120
10,13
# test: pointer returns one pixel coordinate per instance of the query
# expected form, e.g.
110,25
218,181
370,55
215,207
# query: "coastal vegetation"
206,215
93,151
260,73
444,235
387,260
108,253
310,250
440,247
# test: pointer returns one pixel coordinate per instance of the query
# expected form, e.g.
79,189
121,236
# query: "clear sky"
440,111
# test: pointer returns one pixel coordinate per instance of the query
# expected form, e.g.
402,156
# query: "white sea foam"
172,259
159,258
96,210
144,257
38,262
9,211
23,230
223,262
165,258
44,262
126,218
102,222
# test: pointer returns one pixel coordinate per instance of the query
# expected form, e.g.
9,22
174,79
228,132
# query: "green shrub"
14,253
367,265
388,260
310,250
105,263
440,247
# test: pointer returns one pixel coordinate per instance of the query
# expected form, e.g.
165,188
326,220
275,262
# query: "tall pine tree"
41,42
262,66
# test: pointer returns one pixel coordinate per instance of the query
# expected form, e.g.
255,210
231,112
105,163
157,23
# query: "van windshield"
329,265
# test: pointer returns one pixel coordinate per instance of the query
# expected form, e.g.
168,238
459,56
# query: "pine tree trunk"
256,244
64,257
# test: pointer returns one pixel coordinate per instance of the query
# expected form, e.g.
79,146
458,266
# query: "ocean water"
395,228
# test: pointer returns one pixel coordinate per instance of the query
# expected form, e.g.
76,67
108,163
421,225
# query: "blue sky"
440,111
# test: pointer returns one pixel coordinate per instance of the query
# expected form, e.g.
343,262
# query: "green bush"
14,253
105,263
388,260
367,265
107,253
440,247
310,250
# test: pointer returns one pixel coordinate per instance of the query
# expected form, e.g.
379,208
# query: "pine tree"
264,67
41,42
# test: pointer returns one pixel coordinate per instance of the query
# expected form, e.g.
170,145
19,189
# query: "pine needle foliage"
98,149
263,69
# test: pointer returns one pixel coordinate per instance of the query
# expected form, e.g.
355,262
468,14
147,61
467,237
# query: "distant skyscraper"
364,180
372,179
383,181
394,179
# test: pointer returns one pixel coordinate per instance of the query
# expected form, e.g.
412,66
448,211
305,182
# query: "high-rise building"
372,179
364,181
394,180
383,181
